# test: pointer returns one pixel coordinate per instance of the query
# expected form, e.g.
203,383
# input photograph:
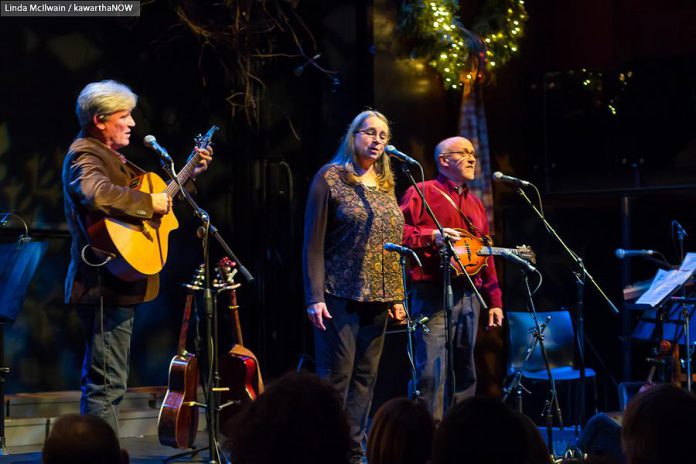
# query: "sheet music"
666,282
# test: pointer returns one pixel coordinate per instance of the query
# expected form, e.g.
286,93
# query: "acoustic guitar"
177,423
239,369
474,252
141,246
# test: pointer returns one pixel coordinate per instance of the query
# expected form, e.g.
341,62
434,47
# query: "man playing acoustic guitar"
97,182
456,208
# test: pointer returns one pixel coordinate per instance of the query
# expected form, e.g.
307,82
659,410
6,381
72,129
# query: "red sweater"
419,228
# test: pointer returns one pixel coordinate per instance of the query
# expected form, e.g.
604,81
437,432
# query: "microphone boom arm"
576,259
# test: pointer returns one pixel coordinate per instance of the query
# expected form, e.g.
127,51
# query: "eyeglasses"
469,154
382,137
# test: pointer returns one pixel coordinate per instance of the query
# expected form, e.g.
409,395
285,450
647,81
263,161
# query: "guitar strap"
469,224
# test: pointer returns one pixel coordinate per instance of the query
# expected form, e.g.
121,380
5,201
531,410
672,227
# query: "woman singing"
351,283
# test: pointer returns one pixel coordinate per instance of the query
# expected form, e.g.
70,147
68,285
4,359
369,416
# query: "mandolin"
177,423
239,370
141,246
474,252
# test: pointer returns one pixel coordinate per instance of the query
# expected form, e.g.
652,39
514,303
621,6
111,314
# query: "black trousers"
347,354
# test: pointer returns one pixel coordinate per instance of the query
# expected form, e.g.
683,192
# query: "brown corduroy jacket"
96,183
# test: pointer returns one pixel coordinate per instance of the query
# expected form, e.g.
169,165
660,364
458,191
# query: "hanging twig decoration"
242,36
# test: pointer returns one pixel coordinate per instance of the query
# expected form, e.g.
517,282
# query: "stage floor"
142,450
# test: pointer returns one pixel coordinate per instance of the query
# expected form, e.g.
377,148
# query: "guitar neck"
185,324
183,176
235,312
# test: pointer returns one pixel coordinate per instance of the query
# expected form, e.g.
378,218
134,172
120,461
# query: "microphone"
151,142
402,250
621,253
403,157
500,177
421,321
510,256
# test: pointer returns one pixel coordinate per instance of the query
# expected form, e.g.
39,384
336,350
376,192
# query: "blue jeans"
347,354
106,361
431,350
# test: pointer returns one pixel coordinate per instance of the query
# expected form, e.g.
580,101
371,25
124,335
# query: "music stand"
672,325
18,263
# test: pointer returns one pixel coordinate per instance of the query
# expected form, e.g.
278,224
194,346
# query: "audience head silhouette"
401,433
659,426
485,431
76,439
298,419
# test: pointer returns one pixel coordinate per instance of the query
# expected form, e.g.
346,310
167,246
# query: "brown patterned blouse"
346,227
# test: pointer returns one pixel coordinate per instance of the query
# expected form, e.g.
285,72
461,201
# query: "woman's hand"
316,313
397,312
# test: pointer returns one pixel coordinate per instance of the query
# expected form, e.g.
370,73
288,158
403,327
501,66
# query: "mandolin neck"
496,251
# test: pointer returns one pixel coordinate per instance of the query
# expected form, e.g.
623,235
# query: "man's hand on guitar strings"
161,203
206,155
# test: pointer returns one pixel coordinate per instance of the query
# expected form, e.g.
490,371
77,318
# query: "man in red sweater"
456,208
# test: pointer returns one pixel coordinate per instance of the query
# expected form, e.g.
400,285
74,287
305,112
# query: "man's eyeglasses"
469,154
382,137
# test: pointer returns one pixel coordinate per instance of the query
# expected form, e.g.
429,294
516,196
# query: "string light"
435,23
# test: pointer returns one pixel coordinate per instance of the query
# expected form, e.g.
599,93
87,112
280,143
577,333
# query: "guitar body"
178,419
467,248
239,368
140,246
238,372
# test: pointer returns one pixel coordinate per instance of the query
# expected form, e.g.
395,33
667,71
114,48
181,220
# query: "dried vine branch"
241,35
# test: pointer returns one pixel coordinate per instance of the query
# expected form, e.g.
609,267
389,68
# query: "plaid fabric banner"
472,125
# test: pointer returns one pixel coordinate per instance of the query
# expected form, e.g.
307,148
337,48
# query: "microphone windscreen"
497,175
149,139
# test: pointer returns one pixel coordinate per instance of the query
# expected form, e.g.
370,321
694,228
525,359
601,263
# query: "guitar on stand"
141,246
177,424
239,368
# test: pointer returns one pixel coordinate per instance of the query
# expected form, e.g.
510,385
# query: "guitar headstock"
203,141
197,281
526,252
225,272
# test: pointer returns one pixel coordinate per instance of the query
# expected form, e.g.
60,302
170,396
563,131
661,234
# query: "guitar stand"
211,407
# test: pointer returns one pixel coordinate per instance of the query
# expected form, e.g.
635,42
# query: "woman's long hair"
346,157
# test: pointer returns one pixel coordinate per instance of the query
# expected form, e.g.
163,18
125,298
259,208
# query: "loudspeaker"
602,436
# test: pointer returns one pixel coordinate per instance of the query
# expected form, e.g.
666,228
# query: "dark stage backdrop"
562,138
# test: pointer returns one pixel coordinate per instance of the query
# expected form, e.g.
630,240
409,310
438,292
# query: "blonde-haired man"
96,183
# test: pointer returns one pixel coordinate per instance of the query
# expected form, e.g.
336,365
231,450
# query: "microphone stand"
447,253
686,313
212,407
581,274
411,325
